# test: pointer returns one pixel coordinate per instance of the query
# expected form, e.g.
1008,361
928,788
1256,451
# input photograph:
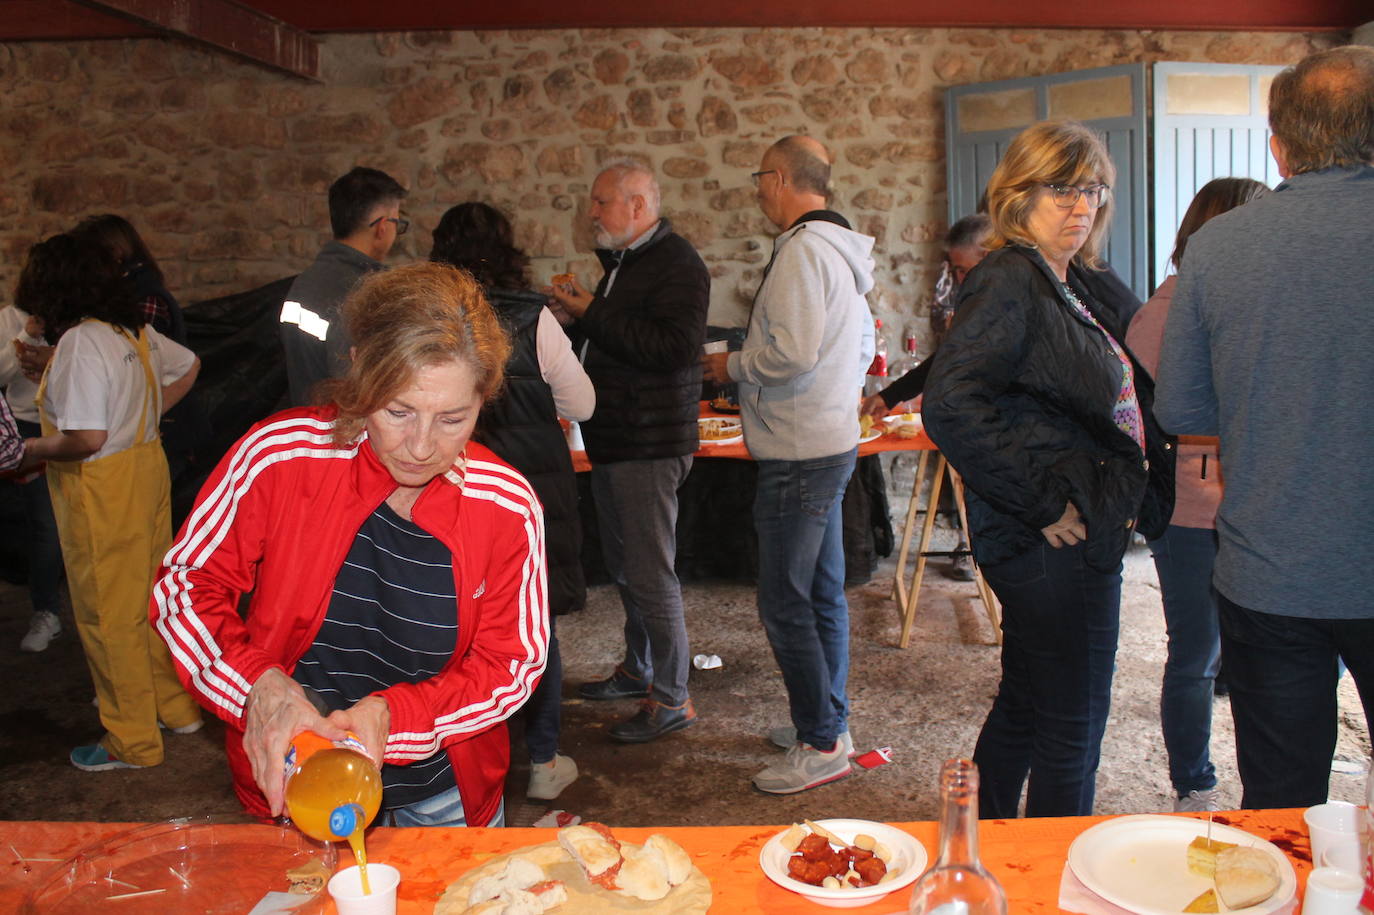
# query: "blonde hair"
1050,152
406,319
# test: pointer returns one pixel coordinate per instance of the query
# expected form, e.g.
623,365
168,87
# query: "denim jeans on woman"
1060,619
797,514
1183,560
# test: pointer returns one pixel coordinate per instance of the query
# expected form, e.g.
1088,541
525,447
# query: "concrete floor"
926,702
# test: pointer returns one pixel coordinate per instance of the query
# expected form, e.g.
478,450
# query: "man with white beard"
639,336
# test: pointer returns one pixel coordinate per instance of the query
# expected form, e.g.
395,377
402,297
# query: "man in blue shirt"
1270,346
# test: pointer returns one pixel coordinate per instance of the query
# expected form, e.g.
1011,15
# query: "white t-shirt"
19,391
96,382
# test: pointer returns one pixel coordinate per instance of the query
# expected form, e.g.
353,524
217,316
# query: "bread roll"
643,875
678,865
589,848
1245,876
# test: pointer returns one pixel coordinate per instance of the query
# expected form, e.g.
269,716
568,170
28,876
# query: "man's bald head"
804,161
1321,111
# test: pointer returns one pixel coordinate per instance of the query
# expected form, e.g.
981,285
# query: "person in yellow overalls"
110,379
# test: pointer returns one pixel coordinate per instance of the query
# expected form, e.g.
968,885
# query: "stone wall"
224,165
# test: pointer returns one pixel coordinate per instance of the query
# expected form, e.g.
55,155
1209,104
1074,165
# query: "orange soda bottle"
333,791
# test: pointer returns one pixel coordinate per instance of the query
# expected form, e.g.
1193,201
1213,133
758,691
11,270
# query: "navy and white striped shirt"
392,618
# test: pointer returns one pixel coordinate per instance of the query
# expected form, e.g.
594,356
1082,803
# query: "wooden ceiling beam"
227,26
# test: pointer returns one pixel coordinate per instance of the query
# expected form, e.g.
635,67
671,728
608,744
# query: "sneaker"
802,768
43,628
785,737
619,685
547,780
1200,800
960,567
653,720
95,758
185,728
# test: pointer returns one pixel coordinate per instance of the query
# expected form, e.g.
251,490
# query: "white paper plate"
874,433
908,862
1141,863
730,423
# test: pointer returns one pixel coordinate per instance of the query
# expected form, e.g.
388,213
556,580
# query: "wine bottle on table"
957,883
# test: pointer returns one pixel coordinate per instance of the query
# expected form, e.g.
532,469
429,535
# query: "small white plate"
1141,863
908,862
729,424
875,433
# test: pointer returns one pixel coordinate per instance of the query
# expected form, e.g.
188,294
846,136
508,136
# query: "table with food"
1142,864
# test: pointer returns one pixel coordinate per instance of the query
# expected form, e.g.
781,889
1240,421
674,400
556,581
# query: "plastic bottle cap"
344,820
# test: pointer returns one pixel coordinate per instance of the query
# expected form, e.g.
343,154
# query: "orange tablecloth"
886,442
1027,856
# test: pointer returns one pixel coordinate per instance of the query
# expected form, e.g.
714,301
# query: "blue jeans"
544,711
797,513
1060,619
1183,561
636,510
1282,671
444,809
44,548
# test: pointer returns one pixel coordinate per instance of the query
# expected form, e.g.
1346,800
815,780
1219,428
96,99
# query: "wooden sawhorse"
908,597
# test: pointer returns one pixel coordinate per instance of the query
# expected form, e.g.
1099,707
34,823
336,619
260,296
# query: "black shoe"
653,721
619,685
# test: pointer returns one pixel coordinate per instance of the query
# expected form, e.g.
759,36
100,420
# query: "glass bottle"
958,884
877,369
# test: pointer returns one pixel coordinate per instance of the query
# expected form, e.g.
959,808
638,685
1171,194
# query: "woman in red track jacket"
295,514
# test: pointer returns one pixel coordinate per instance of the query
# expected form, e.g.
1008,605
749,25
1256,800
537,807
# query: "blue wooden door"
982,118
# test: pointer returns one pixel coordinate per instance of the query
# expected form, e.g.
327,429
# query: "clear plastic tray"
225,864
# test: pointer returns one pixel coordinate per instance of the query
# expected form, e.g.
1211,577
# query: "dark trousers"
544,711
44,549
1060,619
1282,671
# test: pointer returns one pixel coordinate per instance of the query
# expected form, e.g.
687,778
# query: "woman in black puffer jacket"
544,381
1039,406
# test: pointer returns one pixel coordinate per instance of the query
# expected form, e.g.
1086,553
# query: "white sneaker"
547,780
185,728
1200,800
43,628
803,767
784,737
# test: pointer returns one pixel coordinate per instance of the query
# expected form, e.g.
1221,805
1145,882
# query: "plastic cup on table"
1332,891
346,887
715,346
1331,825
1342,857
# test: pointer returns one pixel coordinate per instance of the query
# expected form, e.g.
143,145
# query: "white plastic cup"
575,438
716,346
1332,891
1332,825
347,889
1342,857
706,661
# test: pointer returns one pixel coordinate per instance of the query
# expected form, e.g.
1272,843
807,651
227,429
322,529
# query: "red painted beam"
1248,15
224,24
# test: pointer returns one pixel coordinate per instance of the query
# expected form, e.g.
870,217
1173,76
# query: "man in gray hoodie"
800,375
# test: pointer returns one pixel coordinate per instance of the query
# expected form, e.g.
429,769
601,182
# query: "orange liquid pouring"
328,781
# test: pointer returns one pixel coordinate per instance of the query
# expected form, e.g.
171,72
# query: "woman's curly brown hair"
479,238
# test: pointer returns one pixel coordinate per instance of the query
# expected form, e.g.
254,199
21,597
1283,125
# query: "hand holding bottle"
278,710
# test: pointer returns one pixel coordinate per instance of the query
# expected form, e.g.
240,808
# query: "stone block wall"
223,165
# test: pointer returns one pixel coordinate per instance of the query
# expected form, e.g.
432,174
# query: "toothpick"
184,882
134,895
1209,829
111,879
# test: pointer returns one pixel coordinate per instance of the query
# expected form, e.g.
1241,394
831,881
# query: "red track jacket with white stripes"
277,518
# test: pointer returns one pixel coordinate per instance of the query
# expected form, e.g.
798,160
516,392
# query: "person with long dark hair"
1185,553
110,380
544,381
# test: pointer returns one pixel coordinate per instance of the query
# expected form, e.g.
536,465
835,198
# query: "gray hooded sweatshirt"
810,341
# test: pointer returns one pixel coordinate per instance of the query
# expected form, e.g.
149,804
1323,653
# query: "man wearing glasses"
365,216
800,374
